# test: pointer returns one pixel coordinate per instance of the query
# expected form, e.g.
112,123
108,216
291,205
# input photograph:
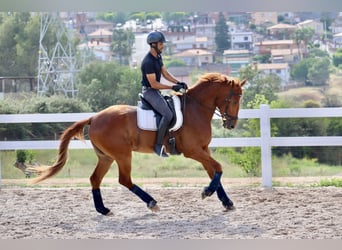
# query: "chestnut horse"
114,134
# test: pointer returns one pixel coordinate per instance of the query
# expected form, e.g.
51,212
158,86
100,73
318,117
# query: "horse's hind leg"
124,164
100,171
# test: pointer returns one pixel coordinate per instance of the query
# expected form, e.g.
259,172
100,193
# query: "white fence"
265,141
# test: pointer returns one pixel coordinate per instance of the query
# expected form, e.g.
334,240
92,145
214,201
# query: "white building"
317,26
282,70
102,51
195,57
337,40
236,59
190,42
241,40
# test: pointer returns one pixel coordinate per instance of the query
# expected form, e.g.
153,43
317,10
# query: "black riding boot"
159,147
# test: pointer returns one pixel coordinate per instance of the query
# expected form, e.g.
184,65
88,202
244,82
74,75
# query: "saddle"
148,118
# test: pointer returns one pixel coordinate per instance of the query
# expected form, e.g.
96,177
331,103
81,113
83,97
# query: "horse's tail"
74,131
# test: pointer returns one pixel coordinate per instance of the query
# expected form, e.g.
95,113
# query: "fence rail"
265,141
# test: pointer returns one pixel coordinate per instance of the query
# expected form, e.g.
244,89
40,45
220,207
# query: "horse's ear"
243,82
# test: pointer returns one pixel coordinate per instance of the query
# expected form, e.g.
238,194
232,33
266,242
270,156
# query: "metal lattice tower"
57,67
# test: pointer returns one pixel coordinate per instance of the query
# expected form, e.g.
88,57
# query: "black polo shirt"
151,65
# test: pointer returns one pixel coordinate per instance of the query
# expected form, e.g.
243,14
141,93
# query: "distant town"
192,39
268,40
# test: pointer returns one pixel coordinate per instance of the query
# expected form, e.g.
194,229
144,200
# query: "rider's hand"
183,84
177,87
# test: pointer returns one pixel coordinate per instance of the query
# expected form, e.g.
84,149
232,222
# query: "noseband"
228,119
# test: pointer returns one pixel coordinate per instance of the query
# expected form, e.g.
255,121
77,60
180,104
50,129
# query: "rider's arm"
155,84
167,75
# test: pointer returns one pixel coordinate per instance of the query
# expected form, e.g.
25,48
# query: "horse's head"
217,91
228,99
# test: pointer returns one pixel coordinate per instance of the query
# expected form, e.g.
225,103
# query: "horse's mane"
217,78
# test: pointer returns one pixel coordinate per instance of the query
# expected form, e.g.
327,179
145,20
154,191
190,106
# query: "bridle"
228,119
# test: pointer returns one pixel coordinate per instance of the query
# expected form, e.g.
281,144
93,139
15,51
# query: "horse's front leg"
223,197
215,185
214,170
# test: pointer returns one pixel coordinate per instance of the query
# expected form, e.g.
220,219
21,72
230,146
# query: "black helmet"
156,36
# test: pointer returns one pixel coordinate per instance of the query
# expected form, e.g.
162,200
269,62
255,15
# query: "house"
101,35
241,40
281,30
190,74
238,17
102,51
193,57
205,29
284,56
265,47
337,40
236,59
282,70
336,26
317,26
263,18
190,42
91,26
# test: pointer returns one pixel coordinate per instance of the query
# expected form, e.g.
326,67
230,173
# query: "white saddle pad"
147,119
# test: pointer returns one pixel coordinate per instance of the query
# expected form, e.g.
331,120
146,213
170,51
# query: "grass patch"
300,95
334,182
82,163
290,166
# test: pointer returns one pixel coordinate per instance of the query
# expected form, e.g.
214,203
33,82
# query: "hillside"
297,96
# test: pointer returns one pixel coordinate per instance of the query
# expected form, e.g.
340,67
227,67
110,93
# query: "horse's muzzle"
228,126
229,122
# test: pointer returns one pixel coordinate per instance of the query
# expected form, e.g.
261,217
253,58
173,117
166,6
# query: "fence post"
266,153
0,169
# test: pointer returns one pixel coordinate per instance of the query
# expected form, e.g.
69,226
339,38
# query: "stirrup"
159,150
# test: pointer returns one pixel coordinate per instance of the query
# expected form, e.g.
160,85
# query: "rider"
152,68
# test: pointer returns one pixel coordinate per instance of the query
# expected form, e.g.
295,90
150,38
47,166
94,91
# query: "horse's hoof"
229,208
206,193
110,213
153,206
155,209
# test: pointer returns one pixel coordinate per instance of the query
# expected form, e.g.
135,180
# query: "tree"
174,17
303,35
144,16
13,33
28,47
337,57
262,58
299,71
222,38
318,73
258,83
19,43
103,84
28,104
122,45
314,70
113,17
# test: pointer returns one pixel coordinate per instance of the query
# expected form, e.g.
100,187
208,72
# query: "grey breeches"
156,99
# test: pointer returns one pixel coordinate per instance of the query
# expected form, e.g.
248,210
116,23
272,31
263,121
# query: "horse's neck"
201,102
